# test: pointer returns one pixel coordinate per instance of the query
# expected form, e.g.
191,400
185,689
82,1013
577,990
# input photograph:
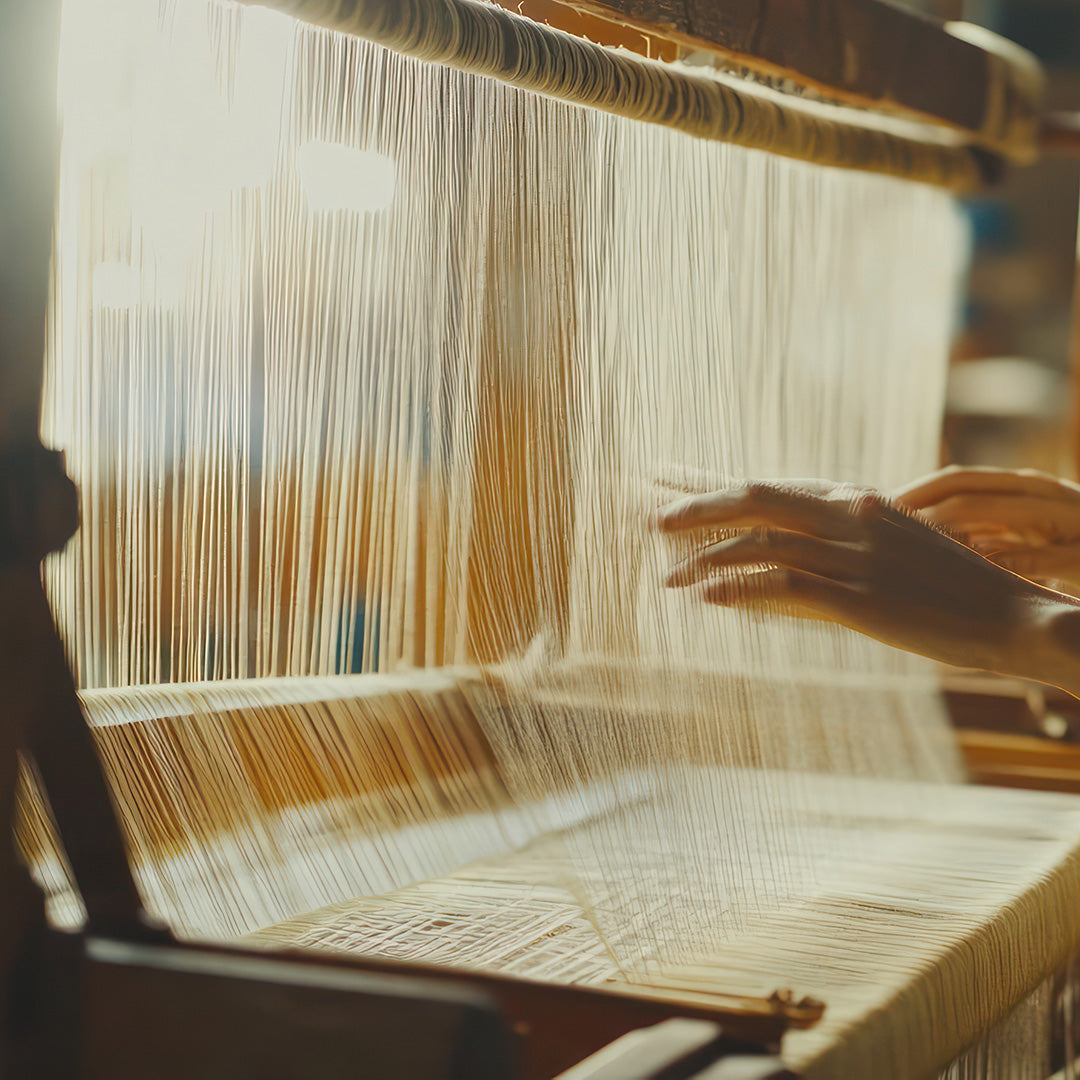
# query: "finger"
833,511
988,541
990,535
967,481
1041,562
794,592
1014,512
687,480
797,551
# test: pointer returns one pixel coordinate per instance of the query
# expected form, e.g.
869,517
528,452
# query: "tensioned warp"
364,363
482,39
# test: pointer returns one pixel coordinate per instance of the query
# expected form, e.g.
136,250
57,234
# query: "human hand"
1026,521
815,549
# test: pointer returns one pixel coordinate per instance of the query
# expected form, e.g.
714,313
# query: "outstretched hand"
1024,520
821,550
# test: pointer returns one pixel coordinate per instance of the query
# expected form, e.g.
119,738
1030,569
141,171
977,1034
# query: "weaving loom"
375,339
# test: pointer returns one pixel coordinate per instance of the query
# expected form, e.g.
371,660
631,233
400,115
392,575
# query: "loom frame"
867,53
42,713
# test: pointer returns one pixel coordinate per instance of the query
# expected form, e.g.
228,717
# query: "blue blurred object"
993,225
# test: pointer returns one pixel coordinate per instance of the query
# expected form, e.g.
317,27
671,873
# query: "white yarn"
364,364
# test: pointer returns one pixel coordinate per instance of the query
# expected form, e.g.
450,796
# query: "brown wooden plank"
180,1013
1001,759
995,749
1074,361
181,1009
1060,780
867,52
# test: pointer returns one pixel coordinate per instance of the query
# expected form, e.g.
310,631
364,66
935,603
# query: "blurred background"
1011,395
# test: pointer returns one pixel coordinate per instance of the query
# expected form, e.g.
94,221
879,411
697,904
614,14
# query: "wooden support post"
1074,355
38,504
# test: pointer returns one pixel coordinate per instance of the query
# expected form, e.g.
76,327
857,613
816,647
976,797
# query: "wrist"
1048,645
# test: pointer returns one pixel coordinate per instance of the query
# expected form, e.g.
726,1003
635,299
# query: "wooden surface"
868,52
1020,761
1015,734
184,1011
1074,363
1060,134
181,1013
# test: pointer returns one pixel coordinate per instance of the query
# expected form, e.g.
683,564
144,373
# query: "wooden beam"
1074,357
871,53
174,1011
1020,761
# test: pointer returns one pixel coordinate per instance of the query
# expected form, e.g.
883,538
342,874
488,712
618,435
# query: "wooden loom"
123,989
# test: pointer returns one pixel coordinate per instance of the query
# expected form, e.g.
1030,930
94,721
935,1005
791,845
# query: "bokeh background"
1013,394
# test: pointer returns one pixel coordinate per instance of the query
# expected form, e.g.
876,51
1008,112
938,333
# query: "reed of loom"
852,49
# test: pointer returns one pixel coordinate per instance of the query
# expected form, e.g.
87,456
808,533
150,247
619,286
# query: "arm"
819,550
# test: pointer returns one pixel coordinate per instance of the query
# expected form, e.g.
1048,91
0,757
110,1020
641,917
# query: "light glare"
337,177
115,285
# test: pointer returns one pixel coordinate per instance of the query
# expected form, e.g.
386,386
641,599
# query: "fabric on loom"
364,363
366,816
895,943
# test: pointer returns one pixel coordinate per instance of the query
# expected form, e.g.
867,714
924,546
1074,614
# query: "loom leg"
59,740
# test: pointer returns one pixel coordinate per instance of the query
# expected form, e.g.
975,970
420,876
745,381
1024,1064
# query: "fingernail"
685,572
662,519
